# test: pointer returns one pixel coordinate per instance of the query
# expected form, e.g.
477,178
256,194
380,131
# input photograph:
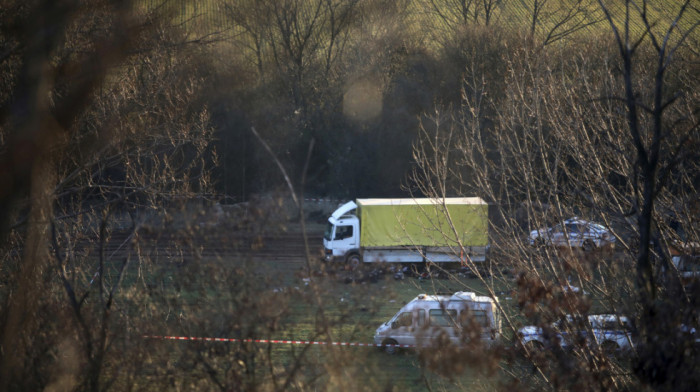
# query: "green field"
246,290
351,312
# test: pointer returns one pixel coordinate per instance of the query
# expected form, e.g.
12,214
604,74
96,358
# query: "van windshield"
328,234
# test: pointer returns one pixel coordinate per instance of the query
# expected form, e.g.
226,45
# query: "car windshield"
328,234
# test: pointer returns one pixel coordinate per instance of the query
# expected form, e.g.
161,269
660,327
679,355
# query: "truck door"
345,237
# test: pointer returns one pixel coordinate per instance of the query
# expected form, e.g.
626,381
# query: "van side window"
443,317
405,319
473,317
480,317
421,318
342,232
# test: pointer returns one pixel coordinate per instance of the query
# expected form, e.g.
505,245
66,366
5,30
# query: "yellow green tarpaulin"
423,222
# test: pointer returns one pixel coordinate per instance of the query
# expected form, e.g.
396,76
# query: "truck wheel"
354,261
390,346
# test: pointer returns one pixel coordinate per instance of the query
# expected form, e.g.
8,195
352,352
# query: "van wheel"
390,346
354,261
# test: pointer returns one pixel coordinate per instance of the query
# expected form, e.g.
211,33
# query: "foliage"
560,142
122,124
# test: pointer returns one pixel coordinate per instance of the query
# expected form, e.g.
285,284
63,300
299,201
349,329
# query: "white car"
611,332
574,232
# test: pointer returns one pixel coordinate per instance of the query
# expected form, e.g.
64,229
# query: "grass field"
352,312
230,289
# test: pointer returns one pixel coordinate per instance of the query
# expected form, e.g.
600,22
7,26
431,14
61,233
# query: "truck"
416,230
423,320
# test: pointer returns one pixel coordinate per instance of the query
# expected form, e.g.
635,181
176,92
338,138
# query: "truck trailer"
444,230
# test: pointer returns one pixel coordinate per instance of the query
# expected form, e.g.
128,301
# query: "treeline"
353,78
356,77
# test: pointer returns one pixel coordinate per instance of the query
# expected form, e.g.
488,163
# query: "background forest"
155,157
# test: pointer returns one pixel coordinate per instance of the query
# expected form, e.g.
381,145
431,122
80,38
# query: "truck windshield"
329,232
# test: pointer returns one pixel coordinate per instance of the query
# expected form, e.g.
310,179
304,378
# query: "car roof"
601,318
458,296
577,220
596,320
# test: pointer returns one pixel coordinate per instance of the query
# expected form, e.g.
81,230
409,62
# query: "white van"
427,316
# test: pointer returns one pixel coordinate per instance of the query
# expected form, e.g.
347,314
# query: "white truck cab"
342,235
423,319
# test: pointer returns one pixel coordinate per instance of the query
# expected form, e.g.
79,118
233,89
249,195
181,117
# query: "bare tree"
292,36
561,143
551,21
106,113
460,13
660,134
42,125
298,49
